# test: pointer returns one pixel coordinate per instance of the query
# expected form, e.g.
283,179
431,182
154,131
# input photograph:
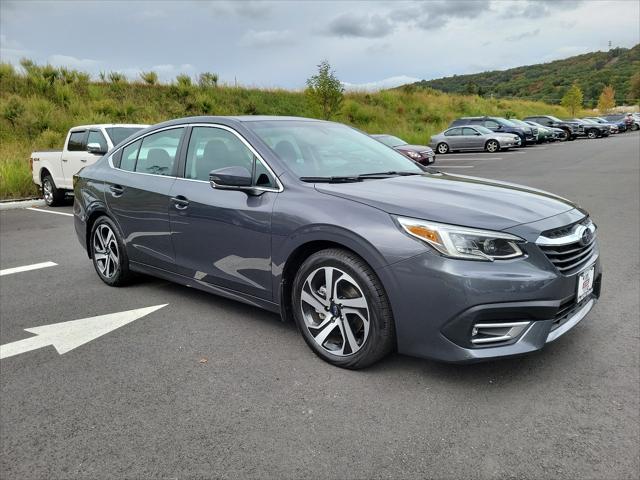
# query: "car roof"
109,125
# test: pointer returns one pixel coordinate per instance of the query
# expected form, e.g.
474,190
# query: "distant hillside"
548,81
37,108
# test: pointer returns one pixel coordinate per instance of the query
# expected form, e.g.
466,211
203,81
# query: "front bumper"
438,301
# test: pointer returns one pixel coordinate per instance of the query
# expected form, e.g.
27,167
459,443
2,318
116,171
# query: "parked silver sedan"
472,137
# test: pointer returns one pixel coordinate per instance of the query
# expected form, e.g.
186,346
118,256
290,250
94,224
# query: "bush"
150,78
13,110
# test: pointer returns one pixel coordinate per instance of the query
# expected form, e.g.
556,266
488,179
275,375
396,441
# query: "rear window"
120,134
76,142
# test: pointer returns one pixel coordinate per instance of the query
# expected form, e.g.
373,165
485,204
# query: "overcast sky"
279,44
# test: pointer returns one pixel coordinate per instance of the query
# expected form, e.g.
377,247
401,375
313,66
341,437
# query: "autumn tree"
325,91
607,99
572,100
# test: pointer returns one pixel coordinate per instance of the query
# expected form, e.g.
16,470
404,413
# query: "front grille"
566,248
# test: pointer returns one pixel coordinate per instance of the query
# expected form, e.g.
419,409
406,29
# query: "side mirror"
477,134
96,149
231,178
499,127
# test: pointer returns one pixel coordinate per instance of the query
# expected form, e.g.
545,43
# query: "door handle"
180,202
117,190
84,160
64,159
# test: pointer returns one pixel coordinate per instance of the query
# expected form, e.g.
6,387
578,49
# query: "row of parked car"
492,134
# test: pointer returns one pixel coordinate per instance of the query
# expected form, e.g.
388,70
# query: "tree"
325,90
607,99
572,100
634,88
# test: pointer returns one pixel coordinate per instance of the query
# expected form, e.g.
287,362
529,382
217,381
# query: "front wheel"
52,196
108,253
592,134
442,148
342,310
492,146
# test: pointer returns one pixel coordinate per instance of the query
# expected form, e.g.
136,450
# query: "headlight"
414,154
461,242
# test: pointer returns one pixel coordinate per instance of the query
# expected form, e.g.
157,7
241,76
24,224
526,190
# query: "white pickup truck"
53,171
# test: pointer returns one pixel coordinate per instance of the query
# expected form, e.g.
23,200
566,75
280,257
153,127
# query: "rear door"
138,195
223,237
454,137
74,157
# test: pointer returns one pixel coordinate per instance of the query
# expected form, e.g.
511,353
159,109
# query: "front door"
138,196
223,237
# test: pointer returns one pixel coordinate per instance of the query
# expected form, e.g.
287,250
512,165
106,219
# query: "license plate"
585,283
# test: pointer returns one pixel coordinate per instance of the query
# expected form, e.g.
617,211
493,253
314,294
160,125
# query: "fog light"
488,333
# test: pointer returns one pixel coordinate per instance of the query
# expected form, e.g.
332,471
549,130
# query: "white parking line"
49,211
26,268
467,159
456,166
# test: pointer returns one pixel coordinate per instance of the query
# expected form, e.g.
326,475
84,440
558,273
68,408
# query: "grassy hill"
38,106
548,81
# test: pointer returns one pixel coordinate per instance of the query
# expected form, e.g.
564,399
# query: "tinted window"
129,156
491,124
96,137
120,134
213,148
468,131
453,132
158,152
76,142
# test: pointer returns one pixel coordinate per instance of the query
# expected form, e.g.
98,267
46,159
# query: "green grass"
39,106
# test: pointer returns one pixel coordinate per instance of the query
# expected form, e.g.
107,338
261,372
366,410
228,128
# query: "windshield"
390,140
555,119
482,129
119,134
328,149
506,122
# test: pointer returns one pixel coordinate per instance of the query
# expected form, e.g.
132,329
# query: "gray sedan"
364,250
472,137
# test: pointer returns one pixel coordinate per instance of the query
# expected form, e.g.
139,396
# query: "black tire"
635,127
381,338
442,148
122,274
492,146
567,136
592,133
53,196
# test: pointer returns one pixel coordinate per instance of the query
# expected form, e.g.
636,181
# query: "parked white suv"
53,171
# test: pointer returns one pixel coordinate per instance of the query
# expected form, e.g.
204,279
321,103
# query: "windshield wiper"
392,173
330,179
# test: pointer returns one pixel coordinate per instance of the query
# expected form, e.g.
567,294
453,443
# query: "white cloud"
73,62
266,38
390,82
12,51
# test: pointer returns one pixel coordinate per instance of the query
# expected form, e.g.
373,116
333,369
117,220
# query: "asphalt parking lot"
206,387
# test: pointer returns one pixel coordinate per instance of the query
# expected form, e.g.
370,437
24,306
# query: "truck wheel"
108,253
52,196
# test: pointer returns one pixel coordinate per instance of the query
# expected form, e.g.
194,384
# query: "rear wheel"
52,196
108,253
492,146
342,309
442,148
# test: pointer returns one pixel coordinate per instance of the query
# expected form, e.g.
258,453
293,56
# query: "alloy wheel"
443,148
335,311
492,146
592,134
47,191
105,251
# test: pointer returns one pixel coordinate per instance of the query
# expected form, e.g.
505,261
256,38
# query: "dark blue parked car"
348,238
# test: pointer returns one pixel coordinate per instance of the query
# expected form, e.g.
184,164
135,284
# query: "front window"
311,148
390,140
483,130
505,122
120,134
96,137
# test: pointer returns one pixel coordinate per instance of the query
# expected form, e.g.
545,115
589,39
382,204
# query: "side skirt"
204,286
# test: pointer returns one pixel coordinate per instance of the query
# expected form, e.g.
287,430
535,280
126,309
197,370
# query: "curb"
21,204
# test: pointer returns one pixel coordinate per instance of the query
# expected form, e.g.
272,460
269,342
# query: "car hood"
454,199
